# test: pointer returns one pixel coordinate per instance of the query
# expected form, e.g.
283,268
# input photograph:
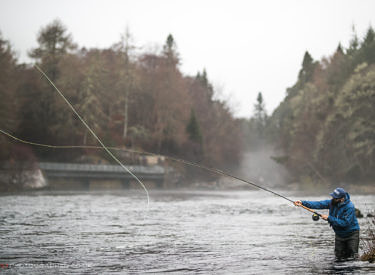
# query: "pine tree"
307,70
368,47
260,115
54,43
353,44
170,51
193,129
203,80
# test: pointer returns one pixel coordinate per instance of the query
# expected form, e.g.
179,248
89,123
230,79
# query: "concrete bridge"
95,176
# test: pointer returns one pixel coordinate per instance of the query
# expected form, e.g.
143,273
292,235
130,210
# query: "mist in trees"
257,161
323,131
325,125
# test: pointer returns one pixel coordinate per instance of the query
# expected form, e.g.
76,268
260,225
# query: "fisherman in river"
342,219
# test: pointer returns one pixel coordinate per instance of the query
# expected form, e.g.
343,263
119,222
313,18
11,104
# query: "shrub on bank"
369,244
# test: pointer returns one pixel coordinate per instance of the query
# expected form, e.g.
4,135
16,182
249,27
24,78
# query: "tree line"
324,129
134,100
325,126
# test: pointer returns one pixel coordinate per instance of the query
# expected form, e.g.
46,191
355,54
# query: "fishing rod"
315,216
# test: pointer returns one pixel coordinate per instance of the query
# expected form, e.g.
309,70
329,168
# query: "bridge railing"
105,168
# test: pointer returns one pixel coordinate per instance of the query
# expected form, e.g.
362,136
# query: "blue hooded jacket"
341,217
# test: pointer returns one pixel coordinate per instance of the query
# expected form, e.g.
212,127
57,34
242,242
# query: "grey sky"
245,46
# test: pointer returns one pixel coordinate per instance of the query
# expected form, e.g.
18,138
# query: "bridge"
99,176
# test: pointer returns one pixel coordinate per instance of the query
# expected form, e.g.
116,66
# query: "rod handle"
312,211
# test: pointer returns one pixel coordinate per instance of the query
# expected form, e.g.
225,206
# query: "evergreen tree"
368,47
193,129
54,43
353,44
339,49
170,51
369,38
255,128
203,80
305,75
307,70
260,115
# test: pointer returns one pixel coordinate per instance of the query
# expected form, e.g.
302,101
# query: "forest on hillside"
323,130
325,127
130,99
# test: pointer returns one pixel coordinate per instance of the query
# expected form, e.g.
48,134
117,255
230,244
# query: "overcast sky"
245,46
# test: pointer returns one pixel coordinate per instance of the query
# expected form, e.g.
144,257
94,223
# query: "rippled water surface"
221,232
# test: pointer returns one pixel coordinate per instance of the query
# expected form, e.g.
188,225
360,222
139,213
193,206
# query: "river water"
197,232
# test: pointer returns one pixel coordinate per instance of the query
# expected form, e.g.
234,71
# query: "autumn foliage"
130,99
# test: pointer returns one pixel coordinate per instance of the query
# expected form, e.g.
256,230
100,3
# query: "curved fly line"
93,133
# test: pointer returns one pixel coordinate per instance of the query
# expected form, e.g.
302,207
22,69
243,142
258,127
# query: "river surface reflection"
221,232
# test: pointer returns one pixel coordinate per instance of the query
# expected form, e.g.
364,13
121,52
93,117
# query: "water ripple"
183,232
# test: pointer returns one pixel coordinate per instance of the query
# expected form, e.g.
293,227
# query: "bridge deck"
74,170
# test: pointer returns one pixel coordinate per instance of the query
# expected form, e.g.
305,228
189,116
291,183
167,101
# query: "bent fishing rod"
315,216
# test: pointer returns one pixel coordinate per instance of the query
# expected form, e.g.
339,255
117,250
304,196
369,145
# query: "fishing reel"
315,217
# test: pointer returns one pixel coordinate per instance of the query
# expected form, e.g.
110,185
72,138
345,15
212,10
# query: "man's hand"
297,203
324,217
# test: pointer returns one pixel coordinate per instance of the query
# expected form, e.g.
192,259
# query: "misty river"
197,232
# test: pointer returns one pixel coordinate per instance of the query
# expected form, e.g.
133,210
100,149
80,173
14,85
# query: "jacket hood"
347,199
